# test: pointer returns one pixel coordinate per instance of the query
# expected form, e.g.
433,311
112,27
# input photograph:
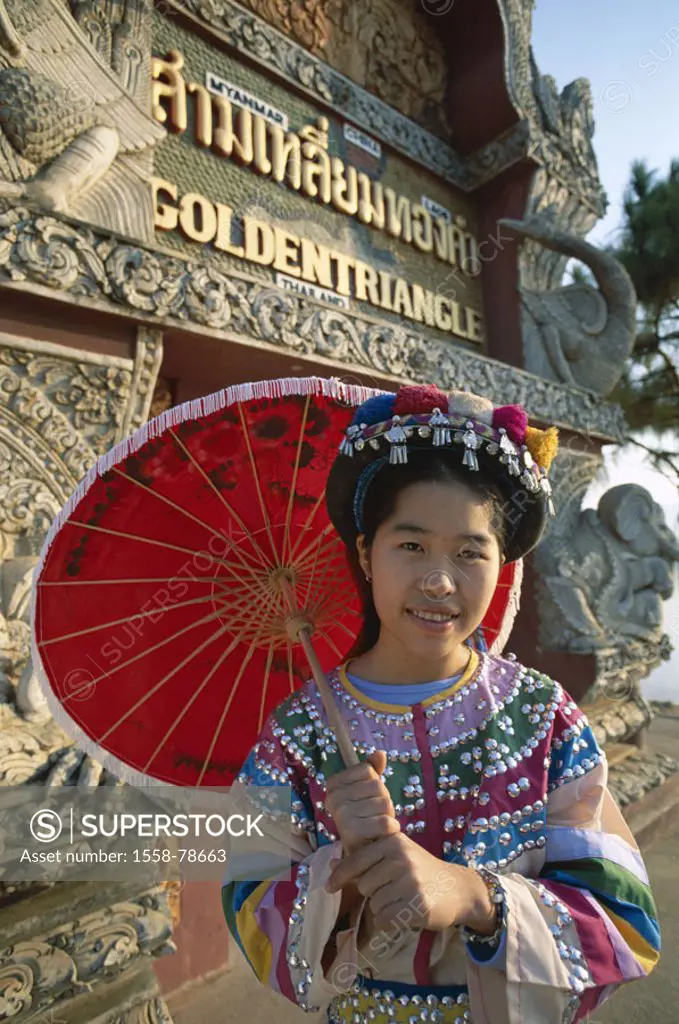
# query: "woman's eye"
411,545
470,555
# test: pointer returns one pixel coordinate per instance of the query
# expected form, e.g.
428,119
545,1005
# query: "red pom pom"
514,419
419,398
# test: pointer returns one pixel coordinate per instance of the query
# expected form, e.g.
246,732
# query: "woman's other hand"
407,887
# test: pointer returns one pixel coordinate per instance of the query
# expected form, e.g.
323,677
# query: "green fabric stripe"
609,879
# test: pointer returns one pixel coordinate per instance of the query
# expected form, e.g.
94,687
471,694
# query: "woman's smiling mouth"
436,621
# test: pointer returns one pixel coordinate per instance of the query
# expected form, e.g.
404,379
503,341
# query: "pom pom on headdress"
543,445
475,407
514,420
422,398
375,410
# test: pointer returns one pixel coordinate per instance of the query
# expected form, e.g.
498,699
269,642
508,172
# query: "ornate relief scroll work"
390,47
261,42
620,670
562,124
566,187
66,390
53,423
399,69
638,775
171,290
396,51
577,334
121,35
59,409
618,712
147,362
75,131
151,1011
81,955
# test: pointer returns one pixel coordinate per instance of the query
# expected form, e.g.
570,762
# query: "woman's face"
434,565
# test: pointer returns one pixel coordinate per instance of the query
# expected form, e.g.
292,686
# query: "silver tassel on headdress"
528,476
509,453
471,441
546,489
441,427
396,436
347,445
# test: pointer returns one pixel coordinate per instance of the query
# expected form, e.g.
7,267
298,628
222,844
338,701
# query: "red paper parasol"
173,587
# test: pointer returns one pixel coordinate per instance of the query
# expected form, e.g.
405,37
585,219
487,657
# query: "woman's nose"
438,585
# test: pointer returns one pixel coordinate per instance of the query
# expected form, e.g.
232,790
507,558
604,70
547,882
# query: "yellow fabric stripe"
255,942
643,951
398,708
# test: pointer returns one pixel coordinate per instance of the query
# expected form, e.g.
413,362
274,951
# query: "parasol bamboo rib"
265,687
301,556
232,512
291,675
231,568
293,485
192,699
74,694
329,641
180,606
157,686
255,476
182,511
215,736
166,544
346,747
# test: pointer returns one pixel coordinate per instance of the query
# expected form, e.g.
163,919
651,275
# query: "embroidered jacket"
502,769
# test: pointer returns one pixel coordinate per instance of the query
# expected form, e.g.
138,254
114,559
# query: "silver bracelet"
497,896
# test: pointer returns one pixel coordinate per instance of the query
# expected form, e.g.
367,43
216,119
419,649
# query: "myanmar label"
242,98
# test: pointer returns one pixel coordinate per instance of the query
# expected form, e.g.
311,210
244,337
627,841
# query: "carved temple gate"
111,311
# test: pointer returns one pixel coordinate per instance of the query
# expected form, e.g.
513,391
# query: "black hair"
423,466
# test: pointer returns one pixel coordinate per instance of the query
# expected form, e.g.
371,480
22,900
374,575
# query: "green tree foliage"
649,250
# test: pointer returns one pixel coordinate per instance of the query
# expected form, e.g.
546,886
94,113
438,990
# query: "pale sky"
630,53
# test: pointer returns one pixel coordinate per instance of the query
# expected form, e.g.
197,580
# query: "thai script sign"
255,134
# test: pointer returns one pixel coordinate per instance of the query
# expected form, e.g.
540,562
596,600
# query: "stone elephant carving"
577,334
610,582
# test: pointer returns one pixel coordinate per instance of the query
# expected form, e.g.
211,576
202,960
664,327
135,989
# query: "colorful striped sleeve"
283,927
586,922
593,867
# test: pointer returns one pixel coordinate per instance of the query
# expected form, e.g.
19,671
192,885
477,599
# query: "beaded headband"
388,422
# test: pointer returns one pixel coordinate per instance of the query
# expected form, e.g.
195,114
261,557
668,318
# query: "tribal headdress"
493,440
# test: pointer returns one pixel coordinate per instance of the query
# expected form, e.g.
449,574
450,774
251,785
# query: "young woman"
473,866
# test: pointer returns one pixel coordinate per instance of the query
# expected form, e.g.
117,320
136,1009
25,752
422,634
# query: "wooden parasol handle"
301,629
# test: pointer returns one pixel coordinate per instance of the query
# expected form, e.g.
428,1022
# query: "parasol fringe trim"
513,605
